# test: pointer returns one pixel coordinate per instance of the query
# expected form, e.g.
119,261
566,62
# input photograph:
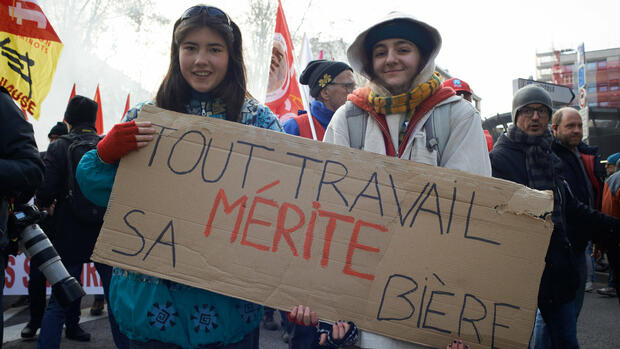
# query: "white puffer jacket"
465,150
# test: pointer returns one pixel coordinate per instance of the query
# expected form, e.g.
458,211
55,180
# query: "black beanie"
59,129
320,73
400,29
81,110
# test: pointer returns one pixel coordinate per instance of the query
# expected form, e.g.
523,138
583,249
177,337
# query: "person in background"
460,87
76,225
21,172
36,279
610,163
611,206
330,82
523,155
584,174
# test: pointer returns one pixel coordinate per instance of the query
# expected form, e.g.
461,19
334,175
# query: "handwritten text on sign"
407,250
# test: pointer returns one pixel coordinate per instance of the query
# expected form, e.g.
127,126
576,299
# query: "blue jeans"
250,341
55,315
105,272
582,272
559,330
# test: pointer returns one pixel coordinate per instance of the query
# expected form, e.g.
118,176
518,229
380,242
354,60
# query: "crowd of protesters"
542,149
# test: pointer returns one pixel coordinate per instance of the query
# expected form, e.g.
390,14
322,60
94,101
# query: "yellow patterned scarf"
406,102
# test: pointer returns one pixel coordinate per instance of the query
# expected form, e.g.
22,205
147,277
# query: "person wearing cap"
58,130
397,54
460,87
611,163
523,155
74,238
330,82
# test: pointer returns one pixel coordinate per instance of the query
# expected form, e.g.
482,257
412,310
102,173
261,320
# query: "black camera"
33,241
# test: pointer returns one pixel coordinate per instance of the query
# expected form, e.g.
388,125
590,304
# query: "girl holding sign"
206,77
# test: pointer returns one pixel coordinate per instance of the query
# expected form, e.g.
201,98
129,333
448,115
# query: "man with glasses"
330,82
524,155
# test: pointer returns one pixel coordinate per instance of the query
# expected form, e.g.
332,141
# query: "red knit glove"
119,141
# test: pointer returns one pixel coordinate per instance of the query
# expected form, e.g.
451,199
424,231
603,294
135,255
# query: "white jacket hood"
357,52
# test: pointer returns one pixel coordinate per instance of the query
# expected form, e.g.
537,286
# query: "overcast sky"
486,43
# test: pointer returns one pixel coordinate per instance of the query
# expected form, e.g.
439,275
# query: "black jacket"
74,239
559,281
579,232
21,168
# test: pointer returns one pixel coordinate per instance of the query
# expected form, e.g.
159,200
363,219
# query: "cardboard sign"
407,250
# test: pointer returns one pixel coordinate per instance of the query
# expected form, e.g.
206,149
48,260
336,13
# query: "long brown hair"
174,92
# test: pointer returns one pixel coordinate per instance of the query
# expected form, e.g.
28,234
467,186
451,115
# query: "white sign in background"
16,277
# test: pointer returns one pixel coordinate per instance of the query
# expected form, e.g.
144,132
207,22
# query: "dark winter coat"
559,281
74,239
21,168
579,233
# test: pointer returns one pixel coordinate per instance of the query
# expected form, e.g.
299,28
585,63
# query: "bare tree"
258,38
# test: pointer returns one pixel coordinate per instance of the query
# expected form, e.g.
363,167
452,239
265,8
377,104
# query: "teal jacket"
148,308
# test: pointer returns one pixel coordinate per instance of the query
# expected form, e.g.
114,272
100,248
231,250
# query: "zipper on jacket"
203,106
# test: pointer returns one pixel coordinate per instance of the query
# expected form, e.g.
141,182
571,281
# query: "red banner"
283,96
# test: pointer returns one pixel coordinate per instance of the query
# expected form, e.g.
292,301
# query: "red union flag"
29,51
283,96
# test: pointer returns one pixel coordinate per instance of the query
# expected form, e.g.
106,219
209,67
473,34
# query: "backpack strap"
437,129
356,121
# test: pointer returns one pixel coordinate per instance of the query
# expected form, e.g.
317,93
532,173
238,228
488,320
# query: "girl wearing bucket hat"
390,115
397,55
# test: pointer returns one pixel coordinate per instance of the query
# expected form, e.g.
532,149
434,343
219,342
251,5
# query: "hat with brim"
612,159
394,25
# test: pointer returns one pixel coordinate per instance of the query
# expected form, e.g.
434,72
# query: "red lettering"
221,197
353,244
27,270
280,230
252,220
310,231
91,274
329,231
31,107
9,273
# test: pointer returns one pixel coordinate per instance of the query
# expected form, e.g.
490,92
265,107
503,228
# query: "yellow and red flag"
283,96
29,51
99,121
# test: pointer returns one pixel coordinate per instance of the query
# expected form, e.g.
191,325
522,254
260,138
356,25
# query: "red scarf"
360,98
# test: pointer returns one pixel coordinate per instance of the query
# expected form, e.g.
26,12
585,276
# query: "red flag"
70,97
283,96
99,122
126,107
321,54
72,92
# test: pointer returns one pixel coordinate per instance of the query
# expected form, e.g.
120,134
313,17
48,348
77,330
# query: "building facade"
602,74
602,115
